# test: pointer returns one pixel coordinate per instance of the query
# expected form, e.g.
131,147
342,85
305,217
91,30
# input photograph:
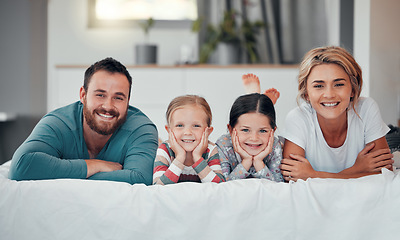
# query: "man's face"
105,104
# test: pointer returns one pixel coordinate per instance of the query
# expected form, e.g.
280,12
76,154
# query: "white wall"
23,70
70,41
376,45
23,54
385,57
362,40
377,50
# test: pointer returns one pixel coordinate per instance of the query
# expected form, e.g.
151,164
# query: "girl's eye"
197,126
179,125
318,86
339,85
245,130
264,131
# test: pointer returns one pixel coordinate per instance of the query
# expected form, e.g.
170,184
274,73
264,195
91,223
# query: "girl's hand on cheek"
247,159
201,148
268,149
180,153
258,160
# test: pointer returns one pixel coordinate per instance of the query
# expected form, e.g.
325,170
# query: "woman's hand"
258,160
247,159
373,162
296,167
203,144
180,153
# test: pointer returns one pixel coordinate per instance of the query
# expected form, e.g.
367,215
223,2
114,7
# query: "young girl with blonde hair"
187,155
334,133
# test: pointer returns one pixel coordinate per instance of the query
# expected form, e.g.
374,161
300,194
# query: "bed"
363,208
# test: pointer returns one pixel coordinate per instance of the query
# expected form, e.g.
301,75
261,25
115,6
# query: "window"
125,13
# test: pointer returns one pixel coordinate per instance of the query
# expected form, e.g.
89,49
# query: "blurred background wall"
23,70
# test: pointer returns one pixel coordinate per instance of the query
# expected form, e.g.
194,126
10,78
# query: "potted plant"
146,53
227,39
250,30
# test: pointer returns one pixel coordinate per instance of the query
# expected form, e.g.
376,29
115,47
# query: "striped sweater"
168,171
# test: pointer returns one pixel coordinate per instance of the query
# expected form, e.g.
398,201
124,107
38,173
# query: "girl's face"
329,91
188,125
253,131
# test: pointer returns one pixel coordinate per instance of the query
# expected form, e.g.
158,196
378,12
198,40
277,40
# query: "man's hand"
94,166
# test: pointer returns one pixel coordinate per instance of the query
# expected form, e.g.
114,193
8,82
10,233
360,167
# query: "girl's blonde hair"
181,101
332,54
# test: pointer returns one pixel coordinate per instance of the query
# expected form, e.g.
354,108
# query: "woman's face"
253,131
329,91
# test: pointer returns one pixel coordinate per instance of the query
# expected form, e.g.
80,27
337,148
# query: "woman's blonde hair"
331,54
181,101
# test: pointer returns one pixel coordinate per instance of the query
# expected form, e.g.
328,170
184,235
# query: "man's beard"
104,128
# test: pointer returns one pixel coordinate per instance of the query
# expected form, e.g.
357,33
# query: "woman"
335,133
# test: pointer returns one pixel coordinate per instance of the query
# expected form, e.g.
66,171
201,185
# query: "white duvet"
364,208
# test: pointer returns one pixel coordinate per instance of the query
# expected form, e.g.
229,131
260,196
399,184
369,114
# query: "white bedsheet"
364,208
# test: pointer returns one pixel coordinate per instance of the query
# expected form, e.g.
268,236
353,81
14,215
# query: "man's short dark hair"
110,65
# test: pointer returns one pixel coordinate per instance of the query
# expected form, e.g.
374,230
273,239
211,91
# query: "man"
99,137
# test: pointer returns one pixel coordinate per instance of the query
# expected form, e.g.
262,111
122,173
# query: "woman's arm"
370,160
375,156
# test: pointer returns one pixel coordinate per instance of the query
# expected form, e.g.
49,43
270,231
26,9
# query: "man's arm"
139,158
95,166
39,157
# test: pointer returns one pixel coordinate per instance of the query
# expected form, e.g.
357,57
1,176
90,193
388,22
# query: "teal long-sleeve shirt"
56,149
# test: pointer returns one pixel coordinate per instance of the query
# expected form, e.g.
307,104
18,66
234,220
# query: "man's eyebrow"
99,90
120,94
117,93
